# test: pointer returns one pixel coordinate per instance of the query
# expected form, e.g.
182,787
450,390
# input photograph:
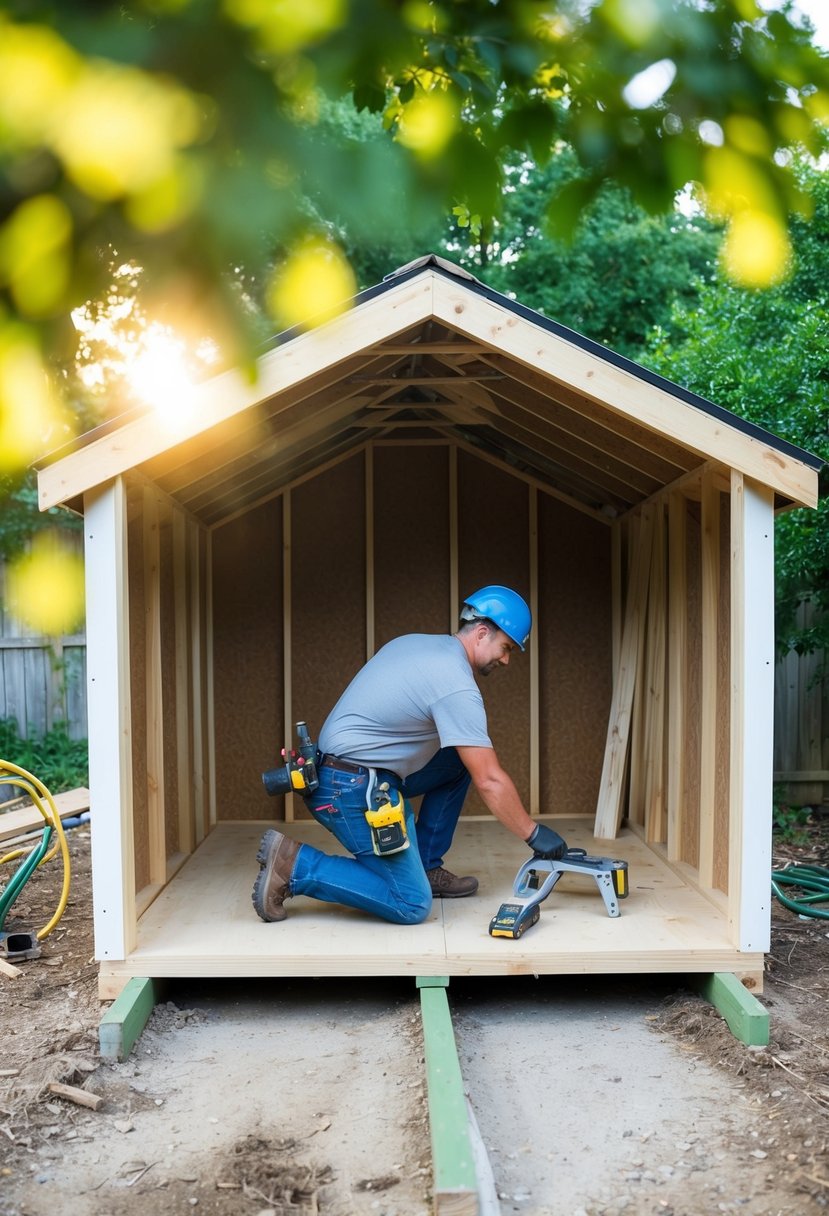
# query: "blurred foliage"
59,762
20,517
765,355
188,137
619,274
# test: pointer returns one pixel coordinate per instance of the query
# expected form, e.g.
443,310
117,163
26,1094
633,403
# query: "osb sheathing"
406,537
247,658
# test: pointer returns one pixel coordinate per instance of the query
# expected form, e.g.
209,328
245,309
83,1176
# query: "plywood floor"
203,923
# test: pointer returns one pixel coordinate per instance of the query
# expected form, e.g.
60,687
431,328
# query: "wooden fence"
42,680
801,729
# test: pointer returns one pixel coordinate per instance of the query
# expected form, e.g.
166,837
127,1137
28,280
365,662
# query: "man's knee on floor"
414,912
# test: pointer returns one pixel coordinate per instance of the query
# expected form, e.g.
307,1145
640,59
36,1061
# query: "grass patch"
59,762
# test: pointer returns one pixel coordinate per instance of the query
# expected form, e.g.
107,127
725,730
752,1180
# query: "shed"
433,438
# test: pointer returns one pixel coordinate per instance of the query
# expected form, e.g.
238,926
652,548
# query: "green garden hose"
811,885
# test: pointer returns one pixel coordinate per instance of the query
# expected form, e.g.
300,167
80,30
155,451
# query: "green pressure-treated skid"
747,1019
126,1018
453,1163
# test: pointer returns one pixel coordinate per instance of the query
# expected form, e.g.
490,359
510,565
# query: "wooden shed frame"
433,370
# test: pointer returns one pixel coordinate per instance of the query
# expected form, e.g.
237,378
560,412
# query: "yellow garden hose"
12,774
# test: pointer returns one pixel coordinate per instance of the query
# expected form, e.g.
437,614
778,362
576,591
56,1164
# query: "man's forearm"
500,796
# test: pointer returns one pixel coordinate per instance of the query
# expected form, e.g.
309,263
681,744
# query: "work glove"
544,842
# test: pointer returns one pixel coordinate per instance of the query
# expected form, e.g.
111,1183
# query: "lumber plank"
453,1162
747,1019
654,691
609,807
710,558
124,1021
9,970
28,818
154,686
677,647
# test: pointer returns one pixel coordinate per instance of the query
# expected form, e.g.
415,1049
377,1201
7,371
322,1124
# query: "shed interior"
270,553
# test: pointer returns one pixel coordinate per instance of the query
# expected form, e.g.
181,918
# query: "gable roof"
431,352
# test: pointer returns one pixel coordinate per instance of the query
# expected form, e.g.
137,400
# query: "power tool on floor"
537,877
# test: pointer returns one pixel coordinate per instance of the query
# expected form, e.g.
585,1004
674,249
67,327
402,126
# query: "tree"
619,274
765,355
184,135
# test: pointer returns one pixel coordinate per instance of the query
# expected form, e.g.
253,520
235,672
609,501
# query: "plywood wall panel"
328,590
411,574
575,654
493,547
138,687
247,660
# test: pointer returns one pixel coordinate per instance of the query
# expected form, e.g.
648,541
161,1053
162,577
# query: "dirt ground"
341,1154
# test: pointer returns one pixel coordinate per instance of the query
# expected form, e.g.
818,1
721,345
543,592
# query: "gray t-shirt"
416,695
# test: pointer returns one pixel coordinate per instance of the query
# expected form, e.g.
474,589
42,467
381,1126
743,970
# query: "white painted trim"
110,729
752,713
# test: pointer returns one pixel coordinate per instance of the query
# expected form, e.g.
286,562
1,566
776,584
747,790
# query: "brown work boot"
446,885
276,856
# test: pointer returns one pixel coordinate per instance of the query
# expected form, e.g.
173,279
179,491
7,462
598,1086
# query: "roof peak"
432,259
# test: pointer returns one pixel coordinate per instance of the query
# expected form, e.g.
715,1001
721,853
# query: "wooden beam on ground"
609,806
28,818
747,1019
453,1165
125,1019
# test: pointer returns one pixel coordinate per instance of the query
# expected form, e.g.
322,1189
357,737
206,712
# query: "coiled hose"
809,887
11,774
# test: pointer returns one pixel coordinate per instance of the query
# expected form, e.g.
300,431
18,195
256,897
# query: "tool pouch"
387,822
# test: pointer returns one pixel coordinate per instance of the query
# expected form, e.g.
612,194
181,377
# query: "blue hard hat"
504,608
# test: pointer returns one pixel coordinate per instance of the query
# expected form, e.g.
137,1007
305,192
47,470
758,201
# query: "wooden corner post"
108,687
752,713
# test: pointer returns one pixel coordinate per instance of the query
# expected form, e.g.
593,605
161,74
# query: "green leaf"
566,207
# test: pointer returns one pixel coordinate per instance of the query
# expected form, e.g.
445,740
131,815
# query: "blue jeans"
394,887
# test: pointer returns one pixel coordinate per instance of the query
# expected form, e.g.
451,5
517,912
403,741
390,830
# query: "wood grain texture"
203,923
138,689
